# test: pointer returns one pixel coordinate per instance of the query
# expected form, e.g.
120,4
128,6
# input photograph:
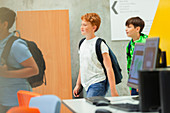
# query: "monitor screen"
136,65
144,57
151,53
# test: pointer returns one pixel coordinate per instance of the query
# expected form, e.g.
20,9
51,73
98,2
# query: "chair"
20,109
46,103
25,96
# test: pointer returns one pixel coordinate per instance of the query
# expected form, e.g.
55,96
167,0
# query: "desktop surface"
81,106
98,101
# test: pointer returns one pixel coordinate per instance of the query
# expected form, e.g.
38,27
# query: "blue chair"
46,103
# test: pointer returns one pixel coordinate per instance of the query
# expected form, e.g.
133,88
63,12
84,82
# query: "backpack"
35,80
116,68
129,46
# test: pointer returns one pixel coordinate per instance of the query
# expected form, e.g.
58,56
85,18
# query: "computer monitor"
144,74
151,53
145,56
164,90
136,65
149,91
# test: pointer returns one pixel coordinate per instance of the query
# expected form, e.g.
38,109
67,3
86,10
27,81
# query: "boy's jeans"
97,89
134,92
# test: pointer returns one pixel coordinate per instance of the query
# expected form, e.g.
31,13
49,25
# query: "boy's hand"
114,93
77,90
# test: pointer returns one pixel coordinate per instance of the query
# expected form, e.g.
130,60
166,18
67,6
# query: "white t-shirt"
90,68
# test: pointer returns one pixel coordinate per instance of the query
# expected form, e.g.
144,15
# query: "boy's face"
1,26
86,28
131,31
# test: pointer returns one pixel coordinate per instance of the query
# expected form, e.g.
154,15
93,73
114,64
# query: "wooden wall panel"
50,30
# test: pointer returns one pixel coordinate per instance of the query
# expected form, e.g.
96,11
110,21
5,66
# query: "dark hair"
137,22
8,15
93,18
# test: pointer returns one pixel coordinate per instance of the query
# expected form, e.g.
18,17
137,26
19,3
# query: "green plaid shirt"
129,52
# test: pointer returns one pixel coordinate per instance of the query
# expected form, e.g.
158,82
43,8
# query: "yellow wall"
161,26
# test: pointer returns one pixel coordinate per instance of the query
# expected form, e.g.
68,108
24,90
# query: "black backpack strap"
115,64
98,50
81,41
100,57
7,49
129,46
99,53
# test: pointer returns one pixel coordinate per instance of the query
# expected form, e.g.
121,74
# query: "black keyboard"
126,107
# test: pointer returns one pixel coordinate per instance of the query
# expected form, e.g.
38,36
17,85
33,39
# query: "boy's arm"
111,77
78,87
30,69
78,79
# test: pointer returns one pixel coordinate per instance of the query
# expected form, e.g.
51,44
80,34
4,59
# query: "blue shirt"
10,86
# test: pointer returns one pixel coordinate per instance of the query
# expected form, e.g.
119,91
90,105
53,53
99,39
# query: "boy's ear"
138,29
94,28
5,24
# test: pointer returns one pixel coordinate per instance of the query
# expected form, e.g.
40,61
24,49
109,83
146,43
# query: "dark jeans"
97,89
134,92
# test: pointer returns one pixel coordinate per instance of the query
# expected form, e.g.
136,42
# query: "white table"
81,106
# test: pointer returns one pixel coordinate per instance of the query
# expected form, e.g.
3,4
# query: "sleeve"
104,48
20,50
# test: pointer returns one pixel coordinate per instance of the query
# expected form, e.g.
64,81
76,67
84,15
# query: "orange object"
19,109
38,26
25,96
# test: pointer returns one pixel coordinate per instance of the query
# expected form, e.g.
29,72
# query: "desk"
81,106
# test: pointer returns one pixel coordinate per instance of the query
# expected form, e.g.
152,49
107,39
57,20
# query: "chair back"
25,96
20,109
46,103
